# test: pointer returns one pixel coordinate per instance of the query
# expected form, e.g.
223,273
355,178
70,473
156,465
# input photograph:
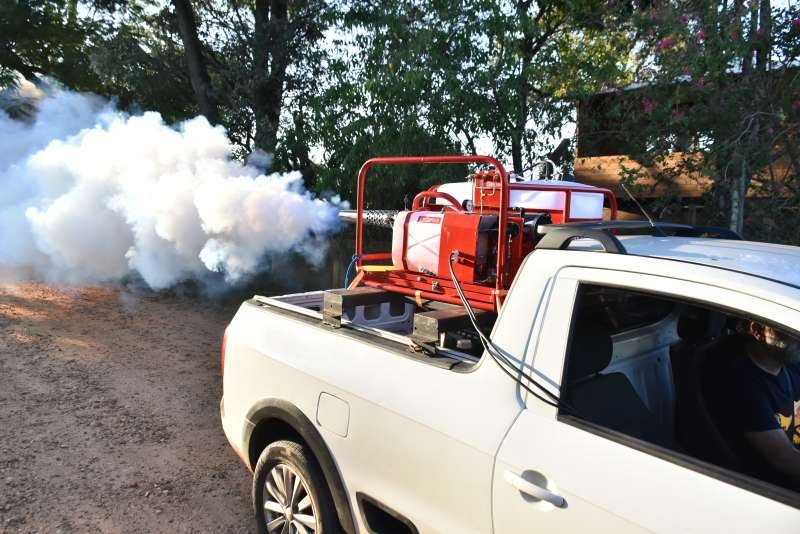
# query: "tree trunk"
270,61
753,39
764,40
516,152
470,143
742,183
303,158
72,13
738,193
198,72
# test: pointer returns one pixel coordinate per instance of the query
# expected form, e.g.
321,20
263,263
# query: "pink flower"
700,36
684,19
735,33
648,104
796,23
770,130
665,43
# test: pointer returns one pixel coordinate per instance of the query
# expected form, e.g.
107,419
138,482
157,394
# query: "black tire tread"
295,454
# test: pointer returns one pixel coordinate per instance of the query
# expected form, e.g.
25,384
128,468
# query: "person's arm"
774,447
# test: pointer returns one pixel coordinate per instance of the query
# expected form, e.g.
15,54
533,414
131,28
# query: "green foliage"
720,82
460,71
122,49
717,81
142,66
44,36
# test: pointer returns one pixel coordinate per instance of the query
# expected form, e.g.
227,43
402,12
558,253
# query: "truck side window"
661,370
618,370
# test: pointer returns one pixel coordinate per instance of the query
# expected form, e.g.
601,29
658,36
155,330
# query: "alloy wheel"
288,507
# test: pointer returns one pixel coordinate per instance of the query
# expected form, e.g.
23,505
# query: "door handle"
538,492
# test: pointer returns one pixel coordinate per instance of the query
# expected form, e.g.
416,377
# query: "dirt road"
109,414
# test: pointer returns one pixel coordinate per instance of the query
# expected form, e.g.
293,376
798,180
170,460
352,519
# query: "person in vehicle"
756,403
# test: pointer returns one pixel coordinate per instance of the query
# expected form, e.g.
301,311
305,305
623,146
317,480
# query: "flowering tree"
720,82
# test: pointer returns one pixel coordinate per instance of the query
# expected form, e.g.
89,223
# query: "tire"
308,507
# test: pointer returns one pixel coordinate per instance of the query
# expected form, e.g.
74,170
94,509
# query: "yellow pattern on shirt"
785,421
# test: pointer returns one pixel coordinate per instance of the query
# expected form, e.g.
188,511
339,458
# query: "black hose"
502,360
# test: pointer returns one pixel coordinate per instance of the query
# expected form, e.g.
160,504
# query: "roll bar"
505,188
415,160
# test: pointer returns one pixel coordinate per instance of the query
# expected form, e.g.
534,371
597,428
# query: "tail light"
222,353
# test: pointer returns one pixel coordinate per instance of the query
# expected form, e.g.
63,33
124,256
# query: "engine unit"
490,222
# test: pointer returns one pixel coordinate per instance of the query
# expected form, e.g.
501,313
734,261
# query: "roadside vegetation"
323,85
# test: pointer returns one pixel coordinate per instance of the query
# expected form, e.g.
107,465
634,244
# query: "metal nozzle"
383,218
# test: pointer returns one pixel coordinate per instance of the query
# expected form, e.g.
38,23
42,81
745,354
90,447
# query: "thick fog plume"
89,194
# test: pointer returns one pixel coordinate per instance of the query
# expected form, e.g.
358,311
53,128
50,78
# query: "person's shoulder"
728,351
732,359
794,370
736,372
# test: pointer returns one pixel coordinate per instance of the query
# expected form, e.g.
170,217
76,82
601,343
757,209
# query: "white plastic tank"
424,237
583,204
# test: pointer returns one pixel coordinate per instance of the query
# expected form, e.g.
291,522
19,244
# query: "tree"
720,83
236,62
195,62
120,49
44,37
258,54
458,71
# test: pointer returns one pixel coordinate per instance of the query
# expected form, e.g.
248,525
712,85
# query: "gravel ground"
109,414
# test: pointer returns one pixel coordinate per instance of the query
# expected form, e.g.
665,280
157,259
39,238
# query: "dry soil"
109,414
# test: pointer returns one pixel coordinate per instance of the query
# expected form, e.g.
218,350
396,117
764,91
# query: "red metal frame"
362,176
421,286
417,203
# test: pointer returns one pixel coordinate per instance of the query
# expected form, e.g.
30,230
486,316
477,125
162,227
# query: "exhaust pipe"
383,218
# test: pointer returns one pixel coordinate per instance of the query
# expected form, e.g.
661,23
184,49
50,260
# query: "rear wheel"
289,492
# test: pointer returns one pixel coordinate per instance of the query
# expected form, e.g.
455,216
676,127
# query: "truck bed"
389,323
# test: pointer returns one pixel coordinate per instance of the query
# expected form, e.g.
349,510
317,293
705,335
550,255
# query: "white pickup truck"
351,423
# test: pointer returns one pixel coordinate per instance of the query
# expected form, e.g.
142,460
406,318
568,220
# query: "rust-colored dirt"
109,414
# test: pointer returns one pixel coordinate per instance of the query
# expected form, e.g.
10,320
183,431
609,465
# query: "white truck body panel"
390,399
605,474
435,444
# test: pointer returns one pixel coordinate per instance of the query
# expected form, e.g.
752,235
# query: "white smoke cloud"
89,194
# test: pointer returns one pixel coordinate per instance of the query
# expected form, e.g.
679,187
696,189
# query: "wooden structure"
602,151
605,172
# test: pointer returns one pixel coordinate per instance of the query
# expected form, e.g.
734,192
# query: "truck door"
613,462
